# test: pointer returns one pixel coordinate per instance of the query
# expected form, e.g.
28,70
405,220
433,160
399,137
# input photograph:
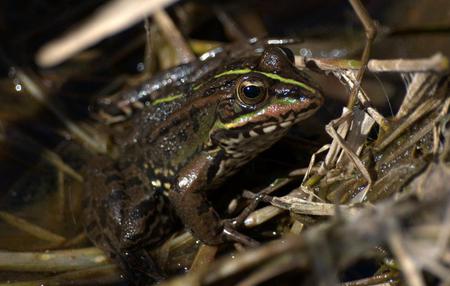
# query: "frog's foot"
230,234
230,225
238,221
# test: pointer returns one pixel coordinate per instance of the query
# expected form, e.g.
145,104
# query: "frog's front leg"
194,209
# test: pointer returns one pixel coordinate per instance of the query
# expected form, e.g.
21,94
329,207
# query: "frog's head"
260,99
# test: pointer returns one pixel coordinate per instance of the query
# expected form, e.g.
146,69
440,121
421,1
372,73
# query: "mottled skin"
185,143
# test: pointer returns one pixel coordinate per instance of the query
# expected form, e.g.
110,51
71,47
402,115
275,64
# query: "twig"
374,280
371,31
418,113
420,86
37,92
435,63
330,128
52,261
98,275
32,229
300,206
412,274
174,37
113,17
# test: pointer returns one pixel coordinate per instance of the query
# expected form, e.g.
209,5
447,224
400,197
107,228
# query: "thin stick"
61,195
436,63
418,113
371,32
330,129
54,261
411,272
30,228
38,93
48,155
113,17
174,37
231,27
204,257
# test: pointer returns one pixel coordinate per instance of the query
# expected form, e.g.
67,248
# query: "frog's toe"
231,234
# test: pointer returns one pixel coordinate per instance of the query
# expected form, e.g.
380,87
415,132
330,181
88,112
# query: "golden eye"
251,91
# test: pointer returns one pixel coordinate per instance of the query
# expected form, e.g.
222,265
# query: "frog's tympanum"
186,142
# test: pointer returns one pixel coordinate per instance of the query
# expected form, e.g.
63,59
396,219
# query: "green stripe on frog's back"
167,99
171,98
197,87
269,75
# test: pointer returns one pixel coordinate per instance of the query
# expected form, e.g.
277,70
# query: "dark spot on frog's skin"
143,209
118,195
163,130
126,164
167,152
151,226
112,178
203,208
234,135
176,121
233,149
195,125
193,112
193,116
182,136
135,181
151,230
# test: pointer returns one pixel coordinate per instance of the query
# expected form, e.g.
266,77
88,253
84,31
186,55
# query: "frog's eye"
251,91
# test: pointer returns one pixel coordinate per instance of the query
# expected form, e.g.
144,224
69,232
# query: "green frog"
186,141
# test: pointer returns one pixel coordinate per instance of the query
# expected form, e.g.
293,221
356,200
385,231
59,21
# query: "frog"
182,145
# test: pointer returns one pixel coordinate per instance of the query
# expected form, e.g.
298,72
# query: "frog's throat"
271,76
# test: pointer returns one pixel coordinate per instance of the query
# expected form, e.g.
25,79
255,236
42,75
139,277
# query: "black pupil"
252,91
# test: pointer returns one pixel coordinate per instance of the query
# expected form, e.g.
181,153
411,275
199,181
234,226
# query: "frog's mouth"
273,117
281,123
266,125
